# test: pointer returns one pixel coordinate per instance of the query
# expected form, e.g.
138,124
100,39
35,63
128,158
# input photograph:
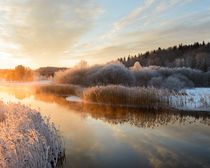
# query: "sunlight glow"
53,33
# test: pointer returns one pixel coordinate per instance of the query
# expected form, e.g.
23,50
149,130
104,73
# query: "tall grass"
27,139
147,98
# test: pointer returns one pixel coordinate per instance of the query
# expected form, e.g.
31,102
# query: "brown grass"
147,98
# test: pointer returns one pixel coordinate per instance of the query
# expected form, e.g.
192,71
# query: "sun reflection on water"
101,135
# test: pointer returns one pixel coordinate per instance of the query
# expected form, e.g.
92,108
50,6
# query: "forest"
195,56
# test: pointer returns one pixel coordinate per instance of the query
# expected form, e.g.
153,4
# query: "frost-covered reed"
27,139
147,98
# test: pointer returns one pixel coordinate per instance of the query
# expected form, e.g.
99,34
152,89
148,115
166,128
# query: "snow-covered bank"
74,99
196,99
26,139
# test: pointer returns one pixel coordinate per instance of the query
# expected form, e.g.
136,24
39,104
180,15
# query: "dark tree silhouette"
20,73
196,56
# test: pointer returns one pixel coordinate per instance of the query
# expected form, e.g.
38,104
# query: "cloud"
55,32
142,17
153,29
141,14
127,20
44,29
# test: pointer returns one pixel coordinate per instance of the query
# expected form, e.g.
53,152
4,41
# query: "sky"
38,33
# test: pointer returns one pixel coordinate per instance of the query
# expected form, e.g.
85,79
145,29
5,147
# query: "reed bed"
147,98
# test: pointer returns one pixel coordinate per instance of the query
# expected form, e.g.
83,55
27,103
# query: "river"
98,136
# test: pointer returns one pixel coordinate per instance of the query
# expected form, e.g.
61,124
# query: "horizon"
60,34
48,66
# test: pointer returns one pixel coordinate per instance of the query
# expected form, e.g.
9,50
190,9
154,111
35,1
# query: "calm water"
105,137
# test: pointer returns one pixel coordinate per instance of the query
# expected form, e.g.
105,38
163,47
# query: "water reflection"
132,116
102,136
114,115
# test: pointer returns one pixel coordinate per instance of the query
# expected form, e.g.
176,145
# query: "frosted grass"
27,139
149,97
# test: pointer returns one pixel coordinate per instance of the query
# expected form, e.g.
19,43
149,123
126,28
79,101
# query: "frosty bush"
137,66
117,74
28,140
97,75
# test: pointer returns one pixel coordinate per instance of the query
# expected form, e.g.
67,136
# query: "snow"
74,99
197,99
27,139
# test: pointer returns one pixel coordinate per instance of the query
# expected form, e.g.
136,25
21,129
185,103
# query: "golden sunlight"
103,83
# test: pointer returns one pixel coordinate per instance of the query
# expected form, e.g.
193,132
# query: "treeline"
19,73
48,71
195,56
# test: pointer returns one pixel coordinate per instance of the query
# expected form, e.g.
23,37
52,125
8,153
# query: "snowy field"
28,140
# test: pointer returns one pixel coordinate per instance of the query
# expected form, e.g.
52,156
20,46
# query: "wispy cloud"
43,30
141,18
54,32
128,19
158,32
141,14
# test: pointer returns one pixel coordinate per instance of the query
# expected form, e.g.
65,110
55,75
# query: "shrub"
96,75
117,74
